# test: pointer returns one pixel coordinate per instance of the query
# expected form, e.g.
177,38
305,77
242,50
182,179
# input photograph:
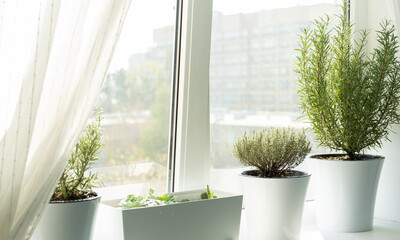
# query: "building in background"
252,58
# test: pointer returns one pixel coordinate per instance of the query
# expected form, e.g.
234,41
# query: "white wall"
368,14
388,197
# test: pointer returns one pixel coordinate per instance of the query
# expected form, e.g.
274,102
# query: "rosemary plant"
272,151
76,182
350,98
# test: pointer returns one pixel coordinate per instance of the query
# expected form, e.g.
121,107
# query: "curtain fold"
54,56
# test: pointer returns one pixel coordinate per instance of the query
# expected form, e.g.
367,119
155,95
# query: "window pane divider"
190,146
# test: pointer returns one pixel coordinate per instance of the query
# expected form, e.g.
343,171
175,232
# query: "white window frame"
190,134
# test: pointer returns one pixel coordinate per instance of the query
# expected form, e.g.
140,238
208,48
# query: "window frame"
189,152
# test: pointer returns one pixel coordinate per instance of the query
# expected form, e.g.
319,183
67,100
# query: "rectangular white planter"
209,219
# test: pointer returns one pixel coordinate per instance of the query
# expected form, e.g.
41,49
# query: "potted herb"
72,208
151,200
195,215
274,194
350,98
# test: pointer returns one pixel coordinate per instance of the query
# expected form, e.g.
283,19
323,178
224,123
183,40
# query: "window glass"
258,90
136,102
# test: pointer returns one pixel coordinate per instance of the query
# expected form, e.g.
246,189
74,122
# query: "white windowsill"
383,229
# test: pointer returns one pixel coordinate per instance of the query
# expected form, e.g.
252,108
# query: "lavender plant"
272,151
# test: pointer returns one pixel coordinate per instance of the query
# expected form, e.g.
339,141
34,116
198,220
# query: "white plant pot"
274,206
210,219
70,220
345,193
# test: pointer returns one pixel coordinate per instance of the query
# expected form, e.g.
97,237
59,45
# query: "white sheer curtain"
54,56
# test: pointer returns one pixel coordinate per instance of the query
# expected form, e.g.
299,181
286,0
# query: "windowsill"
383,229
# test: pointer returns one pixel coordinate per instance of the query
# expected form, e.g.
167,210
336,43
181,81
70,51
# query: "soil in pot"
81,195
283,174
345,157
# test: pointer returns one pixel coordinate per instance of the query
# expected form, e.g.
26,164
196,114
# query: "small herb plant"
210,195
273,151
349,98
149,200
76,182
132,201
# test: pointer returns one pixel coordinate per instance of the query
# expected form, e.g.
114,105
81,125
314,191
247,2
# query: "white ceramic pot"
345,193
209,219
70,220
274,206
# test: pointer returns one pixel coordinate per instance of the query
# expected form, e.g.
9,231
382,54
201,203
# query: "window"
251,86
136,102
268,97
142,106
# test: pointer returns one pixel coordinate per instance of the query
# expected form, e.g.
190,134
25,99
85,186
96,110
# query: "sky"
146,15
